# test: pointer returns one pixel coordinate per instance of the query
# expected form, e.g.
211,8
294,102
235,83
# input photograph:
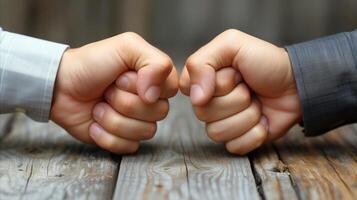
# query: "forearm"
28,68
326,76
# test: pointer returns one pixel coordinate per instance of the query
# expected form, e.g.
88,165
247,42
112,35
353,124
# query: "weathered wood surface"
182,163
41,161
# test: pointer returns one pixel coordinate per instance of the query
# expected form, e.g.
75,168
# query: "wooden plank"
181,163
272,175
340,148
41,161
316,165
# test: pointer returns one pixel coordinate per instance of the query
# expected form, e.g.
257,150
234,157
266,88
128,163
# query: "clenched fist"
259,105
95,100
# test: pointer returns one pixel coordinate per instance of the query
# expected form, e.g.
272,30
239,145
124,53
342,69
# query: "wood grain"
41,161
318,166
181,163
272,175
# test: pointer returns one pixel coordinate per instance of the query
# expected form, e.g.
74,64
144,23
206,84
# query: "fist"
112,92
261,107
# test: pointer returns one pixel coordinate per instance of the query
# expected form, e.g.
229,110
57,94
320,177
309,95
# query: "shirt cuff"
326,77
28,68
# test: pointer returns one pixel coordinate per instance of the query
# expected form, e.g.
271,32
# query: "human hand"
89,103
262,108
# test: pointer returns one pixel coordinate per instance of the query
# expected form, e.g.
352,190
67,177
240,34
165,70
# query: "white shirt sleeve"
28,68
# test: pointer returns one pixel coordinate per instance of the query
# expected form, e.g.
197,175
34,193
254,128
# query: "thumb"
152,65
202,81
151,78
202,65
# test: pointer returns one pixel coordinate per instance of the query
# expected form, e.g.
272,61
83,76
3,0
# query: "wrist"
285,59
60,82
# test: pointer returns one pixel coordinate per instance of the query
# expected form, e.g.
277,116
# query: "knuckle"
192,62
231,33
130,36
166,62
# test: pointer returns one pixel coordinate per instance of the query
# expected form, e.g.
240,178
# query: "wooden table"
41,161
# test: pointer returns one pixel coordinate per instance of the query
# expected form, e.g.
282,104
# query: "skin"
261,107
95,102
113,92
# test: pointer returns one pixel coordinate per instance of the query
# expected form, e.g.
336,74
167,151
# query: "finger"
132,106
153,66
226,80
251,140
217,54
202,80
110,142
127,82
185,82
234,126
222,107
121,126
170,87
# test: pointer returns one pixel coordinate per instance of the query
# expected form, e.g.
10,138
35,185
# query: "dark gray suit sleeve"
326,75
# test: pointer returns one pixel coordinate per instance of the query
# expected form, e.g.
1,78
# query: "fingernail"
152,94
196,93
123,83
95,130
98,112
264,122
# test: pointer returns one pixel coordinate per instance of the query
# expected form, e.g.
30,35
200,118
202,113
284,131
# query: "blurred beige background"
177,26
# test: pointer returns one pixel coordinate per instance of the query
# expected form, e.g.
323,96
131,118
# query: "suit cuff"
326,77
28,69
